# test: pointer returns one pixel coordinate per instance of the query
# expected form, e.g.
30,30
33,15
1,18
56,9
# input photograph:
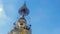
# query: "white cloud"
1,7
3,17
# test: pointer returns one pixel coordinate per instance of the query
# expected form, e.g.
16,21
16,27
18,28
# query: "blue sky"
45,15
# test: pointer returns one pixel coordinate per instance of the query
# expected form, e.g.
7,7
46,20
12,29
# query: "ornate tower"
21,27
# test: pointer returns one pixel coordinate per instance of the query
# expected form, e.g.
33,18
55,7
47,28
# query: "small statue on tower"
21,26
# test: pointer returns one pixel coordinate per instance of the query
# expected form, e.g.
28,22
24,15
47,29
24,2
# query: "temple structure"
21,26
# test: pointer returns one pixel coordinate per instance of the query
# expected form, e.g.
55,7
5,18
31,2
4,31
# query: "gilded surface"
19,31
